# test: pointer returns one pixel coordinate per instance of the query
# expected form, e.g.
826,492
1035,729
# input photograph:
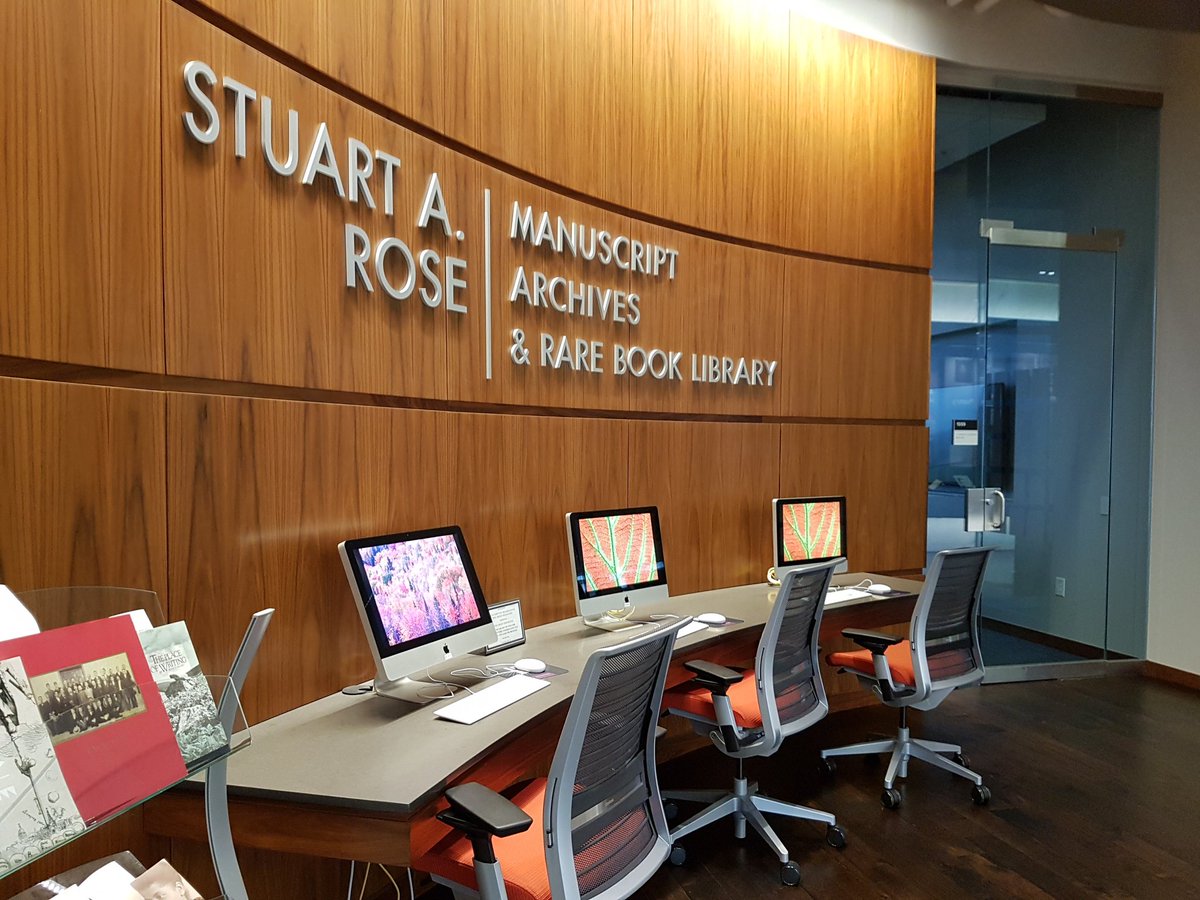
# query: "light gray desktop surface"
376,754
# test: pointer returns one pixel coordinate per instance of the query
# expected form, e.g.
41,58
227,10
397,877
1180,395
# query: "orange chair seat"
743,697
522,857
899,657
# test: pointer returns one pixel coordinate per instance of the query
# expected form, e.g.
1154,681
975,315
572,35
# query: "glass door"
1021,445
1045,443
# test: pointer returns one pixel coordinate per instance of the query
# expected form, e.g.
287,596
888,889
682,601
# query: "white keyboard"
493,698
690,628
841,595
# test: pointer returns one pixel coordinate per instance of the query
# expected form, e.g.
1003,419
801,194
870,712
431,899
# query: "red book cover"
104,713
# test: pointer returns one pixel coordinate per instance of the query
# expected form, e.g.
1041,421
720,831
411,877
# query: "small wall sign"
966,433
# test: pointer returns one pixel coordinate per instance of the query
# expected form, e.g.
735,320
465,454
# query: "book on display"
37,811
185,693
103,712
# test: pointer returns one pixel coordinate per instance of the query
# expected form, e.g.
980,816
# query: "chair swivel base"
904,747
745,804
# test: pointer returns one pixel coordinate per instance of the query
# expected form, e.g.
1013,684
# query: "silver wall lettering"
358,251
381,252
390,165
194,72
361,163
454,283
293,147
434,206
322,161
429,261
243,95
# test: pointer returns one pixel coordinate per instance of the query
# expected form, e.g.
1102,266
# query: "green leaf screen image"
812,531
618,551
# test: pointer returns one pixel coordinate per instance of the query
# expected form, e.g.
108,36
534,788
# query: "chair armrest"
878,642
717,679
875,641
482,809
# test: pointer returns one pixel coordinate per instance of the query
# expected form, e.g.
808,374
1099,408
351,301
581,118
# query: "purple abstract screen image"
419,586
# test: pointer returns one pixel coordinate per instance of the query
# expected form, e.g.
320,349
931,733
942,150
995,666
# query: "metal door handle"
997,503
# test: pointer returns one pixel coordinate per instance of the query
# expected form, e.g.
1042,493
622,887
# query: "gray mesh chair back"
791,695
606,833
945,623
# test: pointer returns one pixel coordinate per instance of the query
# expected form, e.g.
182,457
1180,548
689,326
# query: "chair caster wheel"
789,874
678,855
961,760
980,795
671,810
835,837
827,767
890,798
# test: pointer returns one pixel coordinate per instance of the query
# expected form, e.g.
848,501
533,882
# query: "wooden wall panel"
881,471
80,244
856,342
256,272
707,123
390,51
256,277
860,177
514,479
743,119
712,483
536,384
544,86
128,246
262,492
82,486
725,300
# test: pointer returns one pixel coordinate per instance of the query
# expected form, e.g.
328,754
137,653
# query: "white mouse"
530,666
878,588
711,618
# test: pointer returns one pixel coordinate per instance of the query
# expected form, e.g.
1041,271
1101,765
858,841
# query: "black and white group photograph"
82,698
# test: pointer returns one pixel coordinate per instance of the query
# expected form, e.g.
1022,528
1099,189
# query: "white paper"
36,808
110,882
15,620
507,619
966,438
140,618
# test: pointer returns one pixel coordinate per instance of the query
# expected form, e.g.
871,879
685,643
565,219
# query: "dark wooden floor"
1095,792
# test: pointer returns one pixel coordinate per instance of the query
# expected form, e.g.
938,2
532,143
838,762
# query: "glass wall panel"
1050,352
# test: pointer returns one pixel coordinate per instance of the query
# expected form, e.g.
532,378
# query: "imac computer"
809,530
617,561
420,603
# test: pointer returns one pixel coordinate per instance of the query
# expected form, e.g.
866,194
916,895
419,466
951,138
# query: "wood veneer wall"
195,403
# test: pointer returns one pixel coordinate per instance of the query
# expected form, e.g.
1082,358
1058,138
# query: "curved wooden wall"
197,404
730,116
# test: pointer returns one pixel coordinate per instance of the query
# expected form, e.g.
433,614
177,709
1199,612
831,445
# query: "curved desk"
358,777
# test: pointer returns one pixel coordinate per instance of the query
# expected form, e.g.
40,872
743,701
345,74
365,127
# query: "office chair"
598,828
750,714
941,654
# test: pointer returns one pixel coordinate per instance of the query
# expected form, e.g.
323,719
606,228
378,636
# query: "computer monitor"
809,530
420,603
617,562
